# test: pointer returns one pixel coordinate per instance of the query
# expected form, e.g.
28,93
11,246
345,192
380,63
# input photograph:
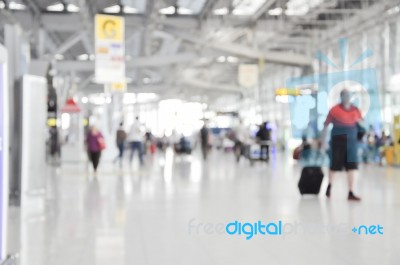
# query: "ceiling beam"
335,11
70,42
61,22
150,61
72,22
37,17
45,38
267,5
8,16
208,6
178,22
87,16
200,84
360,22
83,84
87,44
287,58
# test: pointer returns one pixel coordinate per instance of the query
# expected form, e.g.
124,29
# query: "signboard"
4,176
118,87
248,75
52,122
110,49
287,92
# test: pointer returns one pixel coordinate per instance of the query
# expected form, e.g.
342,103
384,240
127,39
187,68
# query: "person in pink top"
95,144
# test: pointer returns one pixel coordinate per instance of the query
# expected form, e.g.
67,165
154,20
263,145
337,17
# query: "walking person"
345,118
204,140
242,136
95,144
135,139
372,140
264,138
120,141
381,145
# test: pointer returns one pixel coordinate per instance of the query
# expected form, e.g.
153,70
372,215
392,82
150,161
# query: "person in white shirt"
135,139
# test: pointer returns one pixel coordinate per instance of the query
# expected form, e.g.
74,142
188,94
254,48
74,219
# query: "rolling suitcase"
310,180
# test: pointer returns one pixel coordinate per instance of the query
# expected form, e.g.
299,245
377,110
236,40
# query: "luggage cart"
253,152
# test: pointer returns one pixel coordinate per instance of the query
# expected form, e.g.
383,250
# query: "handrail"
10,260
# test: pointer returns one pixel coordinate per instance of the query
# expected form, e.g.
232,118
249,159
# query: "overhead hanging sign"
248,75
110,49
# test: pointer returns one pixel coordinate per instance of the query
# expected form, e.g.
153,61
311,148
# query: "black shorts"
343,153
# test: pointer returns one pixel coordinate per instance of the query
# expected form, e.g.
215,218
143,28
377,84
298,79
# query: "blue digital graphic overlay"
280,229
321,91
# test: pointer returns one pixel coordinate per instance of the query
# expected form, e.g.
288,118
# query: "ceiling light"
232,59
83,57
393,10
130,10
2,5
16,6
185,11
221,59
72,8
55,8
300,7
275,12
246,7
167,10
112,9
239,12
146,80
221,11
59,57
297,12
84,100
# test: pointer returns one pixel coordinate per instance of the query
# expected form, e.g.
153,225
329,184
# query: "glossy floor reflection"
158,214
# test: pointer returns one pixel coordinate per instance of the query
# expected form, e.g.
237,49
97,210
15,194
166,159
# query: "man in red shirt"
343,144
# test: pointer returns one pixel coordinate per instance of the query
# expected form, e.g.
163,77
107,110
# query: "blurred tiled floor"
141,216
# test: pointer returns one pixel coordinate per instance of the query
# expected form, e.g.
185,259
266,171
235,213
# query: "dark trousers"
204,149
266,148
95,159
139,147
121,147
239,149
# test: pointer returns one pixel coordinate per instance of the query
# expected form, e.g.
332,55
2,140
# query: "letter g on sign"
109,29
